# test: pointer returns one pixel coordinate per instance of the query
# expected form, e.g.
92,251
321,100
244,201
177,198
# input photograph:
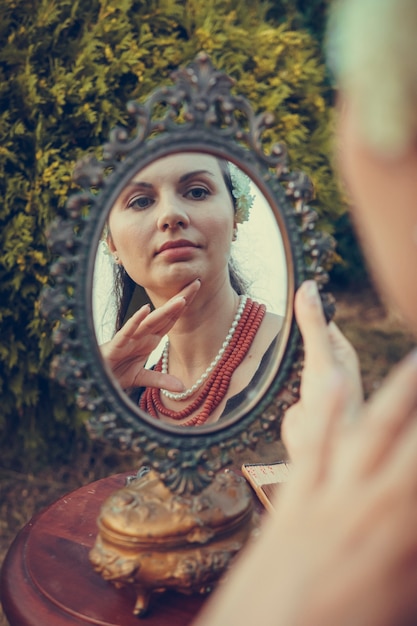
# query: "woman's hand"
128,351
327,352
356,489
341,547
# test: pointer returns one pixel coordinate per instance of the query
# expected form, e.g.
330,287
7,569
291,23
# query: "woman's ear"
112,249
110,243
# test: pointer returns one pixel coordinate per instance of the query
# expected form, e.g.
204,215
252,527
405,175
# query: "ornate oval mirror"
253,254
163,208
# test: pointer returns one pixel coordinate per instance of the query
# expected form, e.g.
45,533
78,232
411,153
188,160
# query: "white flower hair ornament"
241,193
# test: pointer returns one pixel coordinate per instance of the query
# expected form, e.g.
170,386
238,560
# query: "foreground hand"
327,353
128,351
341,547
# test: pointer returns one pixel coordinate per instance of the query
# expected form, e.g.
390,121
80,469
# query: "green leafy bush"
67,69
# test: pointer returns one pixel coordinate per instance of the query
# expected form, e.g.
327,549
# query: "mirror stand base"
153,540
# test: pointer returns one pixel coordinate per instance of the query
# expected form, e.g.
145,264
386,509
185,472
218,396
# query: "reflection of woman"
171,230
342,547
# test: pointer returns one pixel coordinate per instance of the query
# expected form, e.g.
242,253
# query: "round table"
47,579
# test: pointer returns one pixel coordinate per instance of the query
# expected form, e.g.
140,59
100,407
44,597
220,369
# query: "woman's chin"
179,276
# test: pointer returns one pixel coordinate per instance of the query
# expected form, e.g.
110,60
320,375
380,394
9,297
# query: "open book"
265,478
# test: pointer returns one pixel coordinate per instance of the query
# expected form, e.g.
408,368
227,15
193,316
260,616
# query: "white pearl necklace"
189,392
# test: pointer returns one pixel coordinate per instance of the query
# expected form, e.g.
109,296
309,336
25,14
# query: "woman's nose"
172,215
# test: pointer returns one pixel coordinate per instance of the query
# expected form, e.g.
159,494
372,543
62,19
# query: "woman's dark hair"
238,282
225,170
125,287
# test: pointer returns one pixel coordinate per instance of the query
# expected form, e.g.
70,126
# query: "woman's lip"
181,243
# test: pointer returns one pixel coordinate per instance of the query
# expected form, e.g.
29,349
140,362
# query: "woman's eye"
140,202
197,193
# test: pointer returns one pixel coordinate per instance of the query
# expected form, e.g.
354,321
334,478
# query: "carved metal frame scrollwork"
198,112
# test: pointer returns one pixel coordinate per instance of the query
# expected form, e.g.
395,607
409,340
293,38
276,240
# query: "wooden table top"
47,579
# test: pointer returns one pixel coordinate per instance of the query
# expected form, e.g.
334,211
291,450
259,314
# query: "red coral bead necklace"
219,373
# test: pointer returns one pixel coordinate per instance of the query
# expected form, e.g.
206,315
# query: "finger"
342,348
346,357
400,471
383,419
162,319
125,333
171,309
130,327
313,326
319,441
152,378
189,291
389,410
291,425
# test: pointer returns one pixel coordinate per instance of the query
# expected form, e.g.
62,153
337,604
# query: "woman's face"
174,223
383,197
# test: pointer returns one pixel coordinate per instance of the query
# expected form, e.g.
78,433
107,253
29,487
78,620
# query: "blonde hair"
372,51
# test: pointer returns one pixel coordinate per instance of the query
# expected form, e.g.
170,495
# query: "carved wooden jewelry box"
155,540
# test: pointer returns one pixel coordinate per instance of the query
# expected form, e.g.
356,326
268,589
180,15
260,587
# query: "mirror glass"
183,217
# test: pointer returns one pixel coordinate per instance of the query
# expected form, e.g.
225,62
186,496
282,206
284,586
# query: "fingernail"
179,299
311,292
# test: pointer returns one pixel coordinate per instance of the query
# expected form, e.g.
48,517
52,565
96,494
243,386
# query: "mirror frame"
199,114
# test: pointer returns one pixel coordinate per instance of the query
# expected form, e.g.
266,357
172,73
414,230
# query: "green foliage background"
67,69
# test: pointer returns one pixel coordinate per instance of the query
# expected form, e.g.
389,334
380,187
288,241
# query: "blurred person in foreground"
341,548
